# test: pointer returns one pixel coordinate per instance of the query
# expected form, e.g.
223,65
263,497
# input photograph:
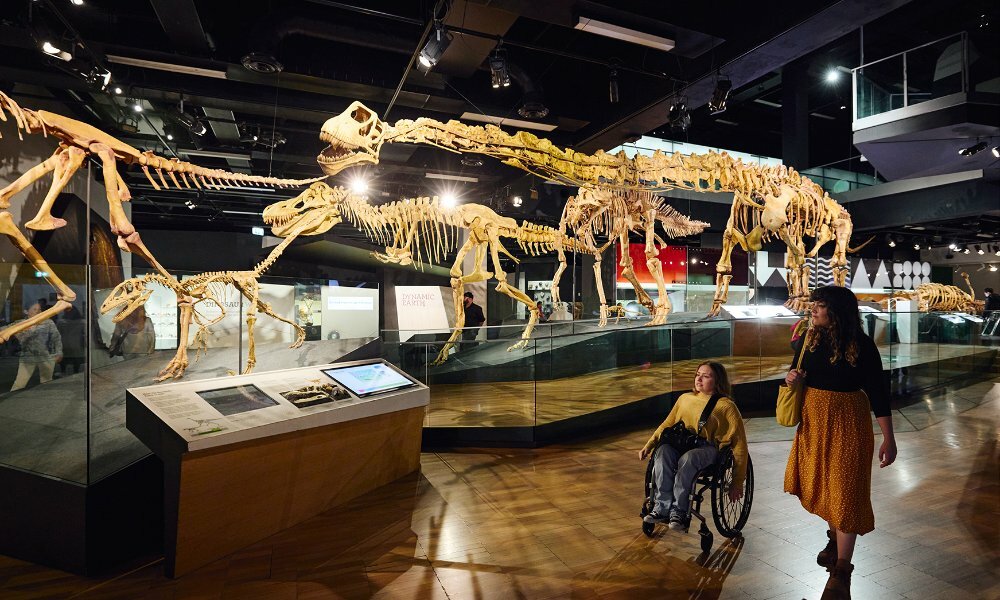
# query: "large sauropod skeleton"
770,201
936,296
615,213
209,287
421,230
77,141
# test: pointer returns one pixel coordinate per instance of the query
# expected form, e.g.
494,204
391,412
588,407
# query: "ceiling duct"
269,36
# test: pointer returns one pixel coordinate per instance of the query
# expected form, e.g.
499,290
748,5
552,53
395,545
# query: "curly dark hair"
841,336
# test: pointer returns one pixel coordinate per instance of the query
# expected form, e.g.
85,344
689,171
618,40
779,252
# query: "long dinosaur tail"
208,178
863,244
677,224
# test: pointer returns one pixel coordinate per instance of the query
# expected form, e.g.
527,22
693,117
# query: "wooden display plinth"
222,499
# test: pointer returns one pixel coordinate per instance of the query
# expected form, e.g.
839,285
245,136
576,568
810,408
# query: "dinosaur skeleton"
77,140
208,287
936,296
770,201
421,230
614,214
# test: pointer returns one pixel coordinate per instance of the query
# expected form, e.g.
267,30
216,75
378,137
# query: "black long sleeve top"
842,377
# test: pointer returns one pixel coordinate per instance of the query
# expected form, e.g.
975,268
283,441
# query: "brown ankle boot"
838,587
827,557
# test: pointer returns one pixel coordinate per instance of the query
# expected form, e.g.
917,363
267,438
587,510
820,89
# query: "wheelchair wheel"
730,517
647,528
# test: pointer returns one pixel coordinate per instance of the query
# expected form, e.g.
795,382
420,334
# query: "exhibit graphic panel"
420,308
349,312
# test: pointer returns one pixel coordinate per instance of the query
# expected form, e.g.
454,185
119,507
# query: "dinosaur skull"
129,294
355,136
312,212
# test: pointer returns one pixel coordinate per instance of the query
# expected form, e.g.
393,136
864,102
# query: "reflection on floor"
562,522
528,403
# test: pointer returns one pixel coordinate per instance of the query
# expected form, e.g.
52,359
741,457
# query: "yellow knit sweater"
724,427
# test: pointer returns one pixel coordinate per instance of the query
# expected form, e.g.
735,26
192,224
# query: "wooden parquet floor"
562,522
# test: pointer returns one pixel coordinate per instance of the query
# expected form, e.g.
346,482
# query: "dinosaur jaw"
355,137
127,295
312,222
340,155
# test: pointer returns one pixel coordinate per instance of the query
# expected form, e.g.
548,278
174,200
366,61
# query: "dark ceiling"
164,51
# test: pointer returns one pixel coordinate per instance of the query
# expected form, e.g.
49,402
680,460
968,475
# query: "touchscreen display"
365,380
238,399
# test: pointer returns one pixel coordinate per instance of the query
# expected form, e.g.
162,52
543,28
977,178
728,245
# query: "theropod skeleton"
769,201
206,288
77,141
421,230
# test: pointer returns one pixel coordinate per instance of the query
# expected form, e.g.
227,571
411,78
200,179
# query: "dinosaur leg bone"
458,281
120,225
179,363
655,267
504,288
30,176
65,295
67,163
628,273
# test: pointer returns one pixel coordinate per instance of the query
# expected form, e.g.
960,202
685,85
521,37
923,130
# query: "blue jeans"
674,473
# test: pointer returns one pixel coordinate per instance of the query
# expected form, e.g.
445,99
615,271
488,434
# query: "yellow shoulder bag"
788,411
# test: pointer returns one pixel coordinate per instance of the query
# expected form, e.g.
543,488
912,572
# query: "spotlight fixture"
993,268
448,200
613,87
717,104
188,120
916,245
832,75
76,2
170,137
973,150
434,48
190,204
892,242
135,104
997,252
996,151
965,250
678,116
118,90
471,160
953,246
53,50
516,202
979,250
499,74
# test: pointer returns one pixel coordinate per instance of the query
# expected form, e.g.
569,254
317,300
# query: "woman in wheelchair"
673,472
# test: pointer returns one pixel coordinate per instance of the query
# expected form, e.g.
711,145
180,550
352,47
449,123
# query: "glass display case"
577,376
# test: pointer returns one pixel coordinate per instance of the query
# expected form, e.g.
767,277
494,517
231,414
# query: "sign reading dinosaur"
770,201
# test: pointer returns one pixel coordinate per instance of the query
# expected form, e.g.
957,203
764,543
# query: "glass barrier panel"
43,375
879,87
935,70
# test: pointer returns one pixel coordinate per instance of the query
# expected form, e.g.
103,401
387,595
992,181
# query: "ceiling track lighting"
973,150
499,74
432,51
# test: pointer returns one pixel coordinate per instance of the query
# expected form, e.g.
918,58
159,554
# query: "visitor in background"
71,329
41,349
474,319
134,336
992,301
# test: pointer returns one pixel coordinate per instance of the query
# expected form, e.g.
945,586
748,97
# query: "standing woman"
829,467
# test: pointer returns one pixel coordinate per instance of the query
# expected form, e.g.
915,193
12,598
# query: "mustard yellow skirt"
830,465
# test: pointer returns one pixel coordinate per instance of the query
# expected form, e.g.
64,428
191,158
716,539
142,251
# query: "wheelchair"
730,517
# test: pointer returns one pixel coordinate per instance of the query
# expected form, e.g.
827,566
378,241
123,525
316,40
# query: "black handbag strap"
709,407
